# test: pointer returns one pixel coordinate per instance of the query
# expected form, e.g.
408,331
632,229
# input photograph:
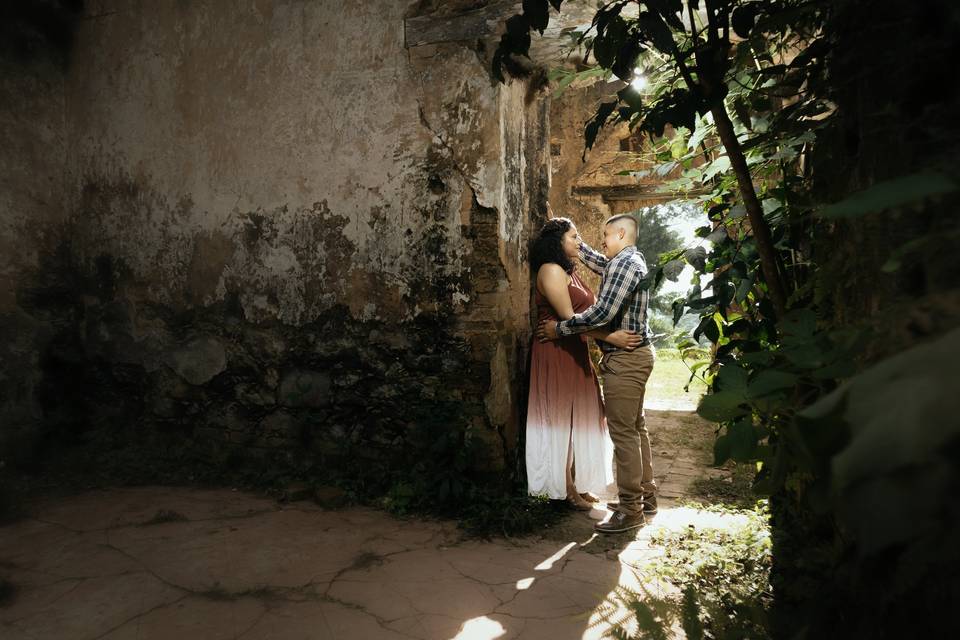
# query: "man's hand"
622,339
547,330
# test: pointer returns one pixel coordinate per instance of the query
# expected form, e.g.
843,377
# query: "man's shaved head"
626,222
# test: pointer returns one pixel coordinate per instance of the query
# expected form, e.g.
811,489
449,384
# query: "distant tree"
654,236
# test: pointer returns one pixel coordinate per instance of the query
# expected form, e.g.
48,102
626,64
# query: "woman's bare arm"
553,282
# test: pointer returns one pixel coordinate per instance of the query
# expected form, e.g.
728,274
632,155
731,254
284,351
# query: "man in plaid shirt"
621,304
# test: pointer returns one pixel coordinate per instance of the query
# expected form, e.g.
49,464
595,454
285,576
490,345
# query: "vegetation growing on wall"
770,96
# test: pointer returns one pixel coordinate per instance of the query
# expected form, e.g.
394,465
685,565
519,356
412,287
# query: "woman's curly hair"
547,247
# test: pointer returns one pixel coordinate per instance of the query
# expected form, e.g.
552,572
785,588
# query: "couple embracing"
570,423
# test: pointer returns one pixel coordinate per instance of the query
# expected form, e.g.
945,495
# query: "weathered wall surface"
586,187
31,209
286,230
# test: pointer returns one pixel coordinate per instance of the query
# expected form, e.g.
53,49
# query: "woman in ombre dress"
568,450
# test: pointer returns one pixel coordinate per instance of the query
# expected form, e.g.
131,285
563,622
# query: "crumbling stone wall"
587,186
32,142
280,229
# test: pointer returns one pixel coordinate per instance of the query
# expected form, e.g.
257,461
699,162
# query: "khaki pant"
625,375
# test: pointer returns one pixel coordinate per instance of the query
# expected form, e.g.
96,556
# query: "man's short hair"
625,216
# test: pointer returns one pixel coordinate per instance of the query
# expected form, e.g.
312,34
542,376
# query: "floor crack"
140,615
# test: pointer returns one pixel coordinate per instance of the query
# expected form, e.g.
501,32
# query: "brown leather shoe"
620,522
650,504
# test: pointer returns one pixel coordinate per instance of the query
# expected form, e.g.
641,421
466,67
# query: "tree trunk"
758,225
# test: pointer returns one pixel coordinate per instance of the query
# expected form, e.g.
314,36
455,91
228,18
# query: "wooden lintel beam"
470,25
632,192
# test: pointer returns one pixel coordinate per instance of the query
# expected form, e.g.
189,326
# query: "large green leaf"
721,449
758,358
892,193
712,330
593,127
904,416
631,97
770,380
708,323
537,13
799,322
655,30
609,40
732,378
743,18
518,33
696,257
743,439
669,9
721,406
805,354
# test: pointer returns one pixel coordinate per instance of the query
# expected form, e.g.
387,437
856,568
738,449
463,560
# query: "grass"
668,384
713,582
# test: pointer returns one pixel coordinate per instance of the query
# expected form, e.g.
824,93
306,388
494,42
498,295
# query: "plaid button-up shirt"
620,303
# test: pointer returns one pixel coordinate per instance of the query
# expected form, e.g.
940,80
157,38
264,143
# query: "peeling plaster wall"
284,229
281,230
31,209
571,167
288,130
595,173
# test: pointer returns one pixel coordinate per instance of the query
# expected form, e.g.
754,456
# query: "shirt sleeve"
616,288
593,259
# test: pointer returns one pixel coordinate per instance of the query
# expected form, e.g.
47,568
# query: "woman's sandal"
589,497
579,505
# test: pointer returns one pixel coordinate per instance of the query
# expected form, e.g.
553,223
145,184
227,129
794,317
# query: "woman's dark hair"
548,245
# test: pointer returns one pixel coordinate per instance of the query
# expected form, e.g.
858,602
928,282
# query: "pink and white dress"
565,404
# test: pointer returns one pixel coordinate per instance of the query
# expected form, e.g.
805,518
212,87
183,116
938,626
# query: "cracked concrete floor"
182,564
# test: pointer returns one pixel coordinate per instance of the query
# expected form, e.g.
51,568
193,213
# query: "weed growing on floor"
511,515
485,513
716,581
735,491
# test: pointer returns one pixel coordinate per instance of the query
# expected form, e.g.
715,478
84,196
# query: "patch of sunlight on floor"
480,628
547,564
677,518
525,583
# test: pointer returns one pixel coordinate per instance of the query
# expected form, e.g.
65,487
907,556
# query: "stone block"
279,427
304,388
386,391
199,360
167,407
254,395
296,491
330,497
